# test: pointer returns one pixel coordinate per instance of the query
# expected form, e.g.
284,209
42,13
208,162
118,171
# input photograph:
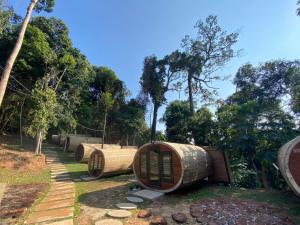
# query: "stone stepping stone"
55,204
63,222
148,194
59,173
62,170
120,213
108,222
77,180
89,178
54,214
135,199
63,184
57,176
61,178
61,189
60,192
59,197
126,206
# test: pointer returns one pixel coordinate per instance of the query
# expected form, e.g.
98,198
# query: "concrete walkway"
57,207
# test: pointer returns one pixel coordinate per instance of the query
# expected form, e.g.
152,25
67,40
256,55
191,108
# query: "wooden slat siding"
87,148
74,141
115,161
62,139
294,163
221,168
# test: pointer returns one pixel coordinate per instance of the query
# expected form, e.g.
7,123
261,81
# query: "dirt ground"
19,160
102,195
17,199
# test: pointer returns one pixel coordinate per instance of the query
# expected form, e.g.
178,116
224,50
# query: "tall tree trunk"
264,177
191,99
21,112
127,139
104,127
37,143
153,128
12,58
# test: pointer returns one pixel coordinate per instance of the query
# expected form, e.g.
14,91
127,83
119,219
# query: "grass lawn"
24,177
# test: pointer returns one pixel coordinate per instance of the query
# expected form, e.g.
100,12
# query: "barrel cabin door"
294,163
157,167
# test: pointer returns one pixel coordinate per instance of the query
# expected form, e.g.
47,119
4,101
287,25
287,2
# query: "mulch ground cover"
222,211
17,199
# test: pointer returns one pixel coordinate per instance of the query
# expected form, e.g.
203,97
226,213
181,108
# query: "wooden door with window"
156,167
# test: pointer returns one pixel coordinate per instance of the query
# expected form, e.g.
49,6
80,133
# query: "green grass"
24,177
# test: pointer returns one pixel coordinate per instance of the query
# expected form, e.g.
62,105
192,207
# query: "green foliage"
252,124
7,19
44,5
176,119
107,100
43,111
243,176
130,119
201,126
56,32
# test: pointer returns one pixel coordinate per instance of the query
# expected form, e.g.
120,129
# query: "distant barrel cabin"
165,166
289,163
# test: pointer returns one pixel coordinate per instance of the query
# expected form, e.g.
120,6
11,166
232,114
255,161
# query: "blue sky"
120,33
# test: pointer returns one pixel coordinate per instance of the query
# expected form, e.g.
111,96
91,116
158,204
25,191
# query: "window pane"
143,165
154,169
167,171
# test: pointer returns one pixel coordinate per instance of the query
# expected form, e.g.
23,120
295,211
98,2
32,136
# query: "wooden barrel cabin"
73,141
84,150
110,161
55,138
289,163
62,139
165,167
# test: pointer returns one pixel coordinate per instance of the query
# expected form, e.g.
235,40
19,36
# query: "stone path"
2,189
57,207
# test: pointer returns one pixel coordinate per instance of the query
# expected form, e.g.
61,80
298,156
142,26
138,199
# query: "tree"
159,77
43,112
130,118
177,119
38,5
252,124
201,126
298,10
8,18
205,55
107,102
